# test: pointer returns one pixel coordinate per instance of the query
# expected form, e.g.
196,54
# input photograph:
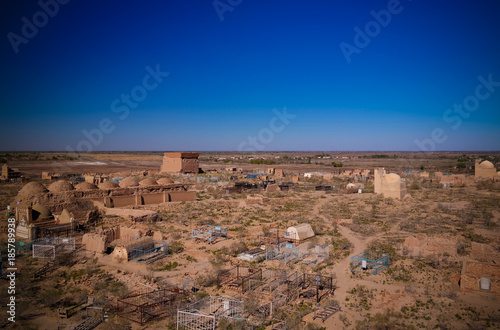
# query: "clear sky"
250,75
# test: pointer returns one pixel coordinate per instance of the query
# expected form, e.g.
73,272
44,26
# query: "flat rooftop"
182,154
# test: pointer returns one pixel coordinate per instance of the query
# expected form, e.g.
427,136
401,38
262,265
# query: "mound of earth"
60,186
32,189
85,186
107,185
147,182
164,181
129,181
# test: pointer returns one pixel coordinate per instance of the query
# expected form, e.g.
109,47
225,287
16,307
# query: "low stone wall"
149,199
134,215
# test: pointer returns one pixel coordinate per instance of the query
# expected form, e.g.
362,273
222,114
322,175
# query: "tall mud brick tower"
180,162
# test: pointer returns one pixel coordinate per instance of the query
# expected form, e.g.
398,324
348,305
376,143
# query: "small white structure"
253,255
299,232
356,186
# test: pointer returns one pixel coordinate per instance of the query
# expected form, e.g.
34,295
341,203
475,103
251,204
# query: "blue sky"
226,76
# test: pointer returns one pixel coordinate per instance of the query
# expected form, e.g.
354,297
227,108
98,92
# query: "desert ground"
428,235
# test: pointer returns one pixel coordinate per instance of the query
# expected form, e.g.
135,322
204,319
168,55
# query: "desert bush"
485,185
462,247
408,225
342,244
237,247
110,286
176,247
206,280
382,321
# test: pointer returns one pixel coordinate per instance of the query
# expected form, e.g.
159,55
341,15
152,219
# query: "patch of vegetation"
262,161
168,266
176,247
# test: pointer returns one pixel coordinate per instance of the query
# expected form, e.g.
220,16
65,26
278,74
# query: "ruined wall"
272,188
129,234
471,282
328,176
99,242
134,215
379,173
472,272
95,243
453,179
481,268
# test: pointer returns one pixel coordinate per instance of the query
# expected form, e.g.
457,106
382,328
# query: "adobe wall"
99,242
129,234
393,189
472,272
471,282
155,198
171,165
95,243
120,201
328,176
190,165
182,196
481,268
63,197
180,162
453,179
379,173
147,199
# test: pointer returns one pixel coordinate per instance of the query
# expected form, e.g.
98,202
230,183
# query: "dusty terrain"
427,235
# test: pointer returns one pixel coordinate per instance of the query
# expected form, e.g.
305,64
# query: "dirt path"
342,269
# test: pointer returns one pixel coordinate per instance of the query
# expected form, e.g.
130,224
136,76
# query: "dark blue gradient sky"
226,76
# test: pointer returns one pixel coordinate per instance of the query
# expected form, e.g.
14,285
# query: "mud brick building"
180,162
